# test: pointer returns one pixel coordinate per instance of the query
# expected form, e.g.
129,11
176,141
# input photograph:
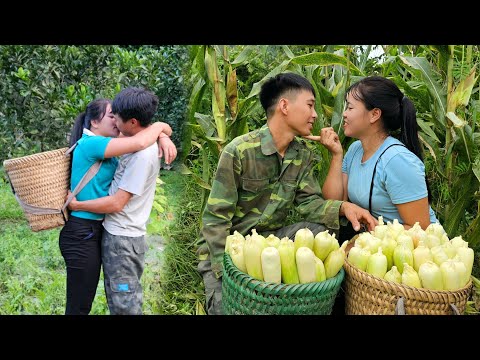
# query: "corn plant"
441,81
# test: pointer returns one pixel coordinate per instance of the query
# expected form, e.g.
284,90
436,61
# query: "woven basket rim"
255,284
32,156
390,284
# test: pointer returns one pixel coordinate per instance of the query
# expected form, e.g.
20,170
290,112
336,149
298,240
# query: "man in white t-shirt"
129,204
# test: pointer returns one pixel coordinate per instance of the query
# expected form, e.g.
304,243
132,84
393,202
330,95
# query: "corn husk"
449,249
421,255
334,261
322,244
358,257
388,247
381,229
286,248
438,254
252,251
430,276
272,240
405,239
377,264
237,253
453,274
417,233
229,239
304,237
271,265
393,275
306,265
444,239
335,244
319,270
395,229
458,242
435,229
369,242
410,276
402,254
466,256
432,241
259,238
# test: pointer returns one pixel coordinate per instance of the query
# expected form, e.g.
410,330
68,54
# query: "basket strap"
36,210
83,181
400,307
454,309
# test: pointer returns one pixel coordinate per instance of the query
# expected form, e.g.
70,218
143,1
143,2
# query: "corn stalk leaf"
325,59
218,92
257,86
243,56
206,123
337,117
412,93
476,167
472,235
184,170
288,52
426,128
318,103
461,201
425,70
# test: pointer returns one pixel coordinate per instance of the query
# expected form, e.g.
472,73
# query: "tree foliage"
44,87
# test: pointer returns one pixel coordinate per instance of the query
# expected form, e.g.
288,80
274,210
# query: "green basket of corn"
244,295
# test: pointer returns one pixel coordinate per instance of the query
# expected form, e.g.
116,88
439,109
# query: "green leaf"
325,59
426,127
206,122
337,117
424,68
288,52
243,56
476,167
257,86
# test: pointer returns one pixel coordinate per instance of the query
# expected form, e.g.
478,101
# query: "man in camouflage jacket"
260,175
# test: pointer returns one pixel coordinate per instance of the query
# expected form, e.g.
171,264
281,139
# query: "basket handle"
400,307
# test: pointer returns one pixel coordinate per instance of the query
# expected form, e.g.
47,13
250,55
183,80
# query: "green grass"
178,288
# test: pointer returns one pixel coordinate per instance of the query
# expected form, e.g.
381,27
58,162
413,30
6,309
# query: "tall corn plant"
213,125
440,80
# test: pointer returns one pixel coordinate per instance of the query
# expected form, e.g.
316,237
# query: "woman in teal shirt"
95,133
379,172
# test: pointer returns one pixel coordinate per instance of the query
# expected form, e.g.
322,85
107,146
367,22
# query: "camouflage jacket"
254,188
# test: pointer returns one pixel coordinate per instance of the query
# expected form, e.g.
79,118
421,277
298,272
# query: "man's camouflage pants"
123,259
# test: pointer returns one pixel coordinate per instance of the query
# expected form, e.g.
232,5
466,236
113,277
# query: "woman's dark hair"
276,86
398,111
95,110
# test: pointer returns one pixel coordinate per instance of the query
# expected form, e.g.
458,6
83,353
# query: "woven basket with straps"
244,295
41,180
366,294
